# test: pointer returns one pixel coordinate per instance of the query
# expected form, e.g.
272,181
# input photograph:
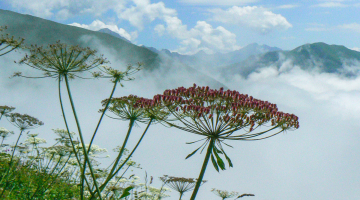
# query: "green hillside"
42,32
39,31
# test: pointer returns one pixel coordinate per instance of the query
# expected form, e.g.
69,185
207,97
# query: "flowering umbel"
217,114
179,184
116,75
10,42
224,194
5,110
60,59
24,121
136,108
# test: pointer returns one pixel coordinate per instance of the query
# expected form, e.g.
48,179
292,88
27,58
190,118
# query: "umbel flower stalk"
179,184
65,62
217,115
133,109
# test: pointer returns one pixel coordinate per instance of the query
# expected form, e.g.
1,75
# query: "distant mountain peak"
112,33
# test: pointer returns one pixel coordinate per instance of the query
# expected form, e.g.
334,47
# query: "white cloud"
64,9
218,3
144,11
257,18
287,6
355,49
352,27
159,29
97,25
330,5
202,37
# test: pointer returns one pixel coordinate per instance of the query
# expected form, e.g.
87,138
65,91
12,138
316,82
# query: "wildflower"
224,194
5,110
60,60
217,115
64,136
4,133
179,184
135,108
24,121
34,140
116,75
11,42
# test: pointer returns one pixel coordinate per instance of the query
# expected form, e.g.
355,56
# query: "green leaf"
217,150
219,160
214,163
192,153
126,192
228,159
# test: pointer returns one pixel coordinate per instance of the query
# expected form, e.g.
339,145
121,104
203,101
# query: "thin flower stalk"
217,115
83,178
81,139
116,77
63,62
134,109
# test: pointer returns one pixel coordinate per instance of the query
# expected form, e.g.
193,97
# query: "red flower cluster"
219,109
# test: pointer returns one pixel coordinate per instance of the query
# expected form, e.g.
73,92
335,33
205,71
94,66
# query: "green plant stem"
202,172
131,124
72,143
12,155
142,136
118,180
103,113
181,194
81,139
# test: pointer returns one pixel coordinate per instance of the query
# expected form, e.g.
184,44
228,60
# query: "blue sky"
187,26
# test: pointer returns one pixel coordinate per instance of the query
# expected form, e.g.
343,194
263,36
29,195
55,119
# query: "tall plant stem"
17,141
72,143
98,125
131,124
81,139
103,113
202,172
109,178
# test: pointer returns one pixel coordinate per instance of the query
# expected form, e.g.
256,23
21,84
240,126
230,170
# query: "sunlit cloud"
218,3
258,18
97,25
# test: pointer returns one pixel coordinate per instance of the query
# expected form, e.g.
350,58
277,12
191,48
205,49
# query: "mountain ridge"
321,56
